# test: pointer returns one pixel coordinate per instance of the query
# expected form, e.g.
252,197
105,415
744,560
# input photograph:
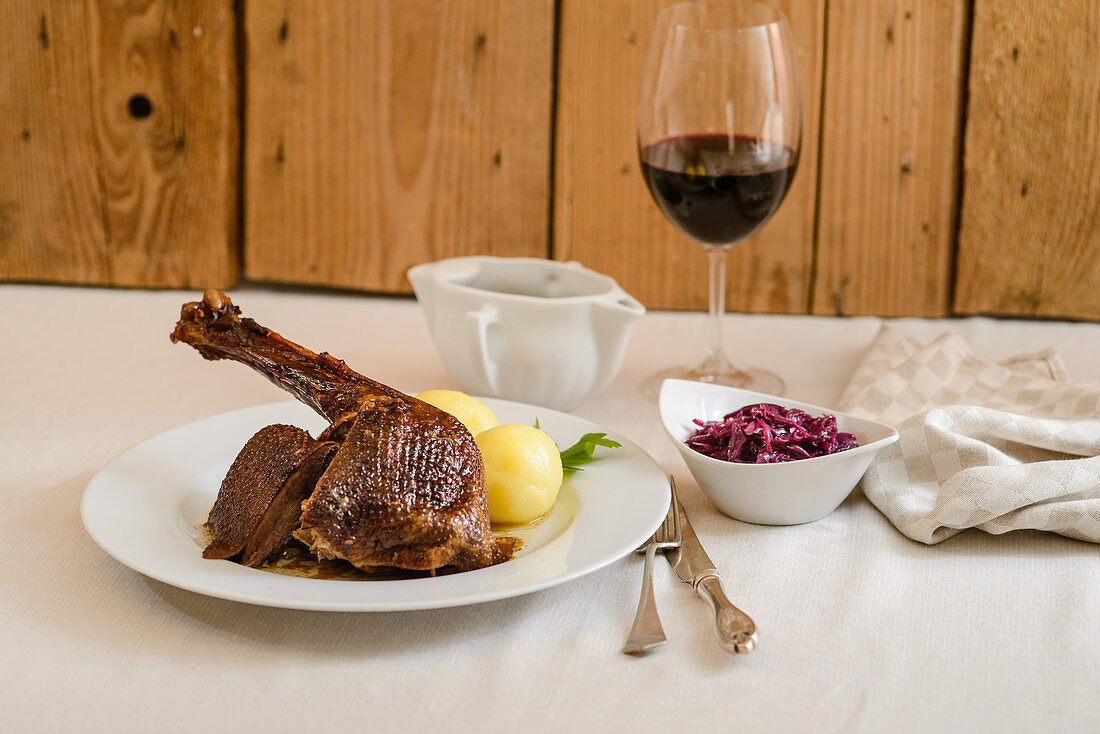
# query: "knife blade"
735,630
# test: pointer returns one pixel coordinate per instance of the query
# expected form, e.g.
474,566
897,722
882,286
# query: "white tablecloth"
860,628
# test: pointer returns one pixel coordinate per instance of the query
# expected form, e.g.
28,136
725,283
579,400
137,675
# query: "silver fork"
647,633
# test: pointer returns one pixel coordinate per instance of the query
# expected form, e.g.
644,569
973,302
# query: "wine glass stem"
716,360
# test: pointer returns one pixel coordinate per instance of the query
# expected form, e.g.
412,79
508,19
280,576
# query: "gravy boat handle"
480,321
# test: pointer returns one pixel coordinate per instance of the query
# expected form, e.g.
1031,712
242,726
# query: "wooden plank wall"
890,138
118,143
604,216
382,134
387,133
1030,236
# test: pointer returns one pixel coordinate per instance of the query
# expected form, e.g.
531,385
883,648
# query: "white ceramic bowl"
527,329
788,493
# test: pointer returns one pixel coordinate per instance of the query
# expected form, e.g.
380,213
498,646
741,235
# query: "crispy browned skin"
388,521
255,478
405,487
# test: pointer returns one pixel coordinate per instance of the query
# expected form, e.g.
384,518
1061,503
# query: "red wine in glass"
717,189
719,130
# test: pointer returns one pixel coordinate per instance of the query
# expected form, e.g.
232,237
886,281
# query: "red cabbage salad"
769,434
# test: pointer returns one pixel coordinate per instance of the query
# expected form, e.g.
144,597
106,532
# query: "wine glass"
719,131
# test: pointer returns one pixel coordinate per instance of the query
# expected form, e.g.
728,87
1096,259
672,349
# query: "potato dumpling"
522,472
473,414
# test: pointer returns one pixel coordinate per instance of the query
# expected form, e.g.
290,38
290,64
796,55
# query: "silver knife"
735,630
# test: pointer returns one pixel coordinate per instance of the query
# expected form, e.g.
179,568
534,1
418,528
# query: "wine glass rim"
779,15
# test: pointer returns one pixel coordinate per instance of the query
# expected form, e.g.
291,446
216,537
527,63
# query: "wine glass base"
752,378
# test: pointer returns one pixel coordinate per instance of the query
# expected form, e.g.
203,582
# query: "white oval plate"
147,506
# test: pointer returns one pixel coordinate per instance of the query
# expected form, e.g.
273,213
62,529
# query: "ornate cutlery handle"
646,632
735,630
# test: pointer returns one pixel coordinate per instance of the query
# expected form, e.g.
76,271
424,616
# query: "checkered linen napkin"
997,447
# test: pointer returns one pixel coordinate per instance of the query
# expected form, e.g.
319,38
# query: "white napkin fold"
997,447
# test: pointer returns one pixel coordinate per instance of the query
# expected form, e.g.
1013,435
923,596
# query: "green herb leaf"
583,451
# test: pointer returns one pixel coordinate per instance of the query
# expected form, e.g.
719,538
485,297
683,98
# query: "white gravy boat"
527,329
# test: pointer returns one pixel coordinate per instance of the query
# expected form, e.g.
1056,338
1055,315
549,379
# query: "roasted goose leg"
213,327
405,487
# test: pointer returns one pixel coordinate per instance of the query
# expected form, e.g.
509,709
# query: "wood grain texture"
603,214
118,143
1029,243
384,134
890,139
